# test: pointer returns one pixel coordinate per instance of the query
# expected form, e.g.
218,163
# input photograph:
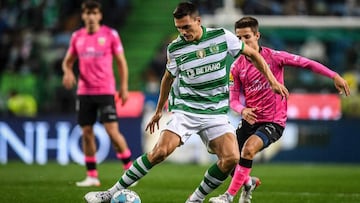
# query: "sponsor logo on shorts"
267,128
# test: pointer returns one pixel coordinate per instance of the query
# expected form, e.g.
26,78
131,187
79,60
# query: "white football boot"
98,197
246,194
89,182
195,201
224,198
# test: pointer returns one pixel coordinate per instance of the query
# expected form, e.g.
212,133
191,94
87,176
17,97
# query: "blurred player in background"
95,45
195,82
264,113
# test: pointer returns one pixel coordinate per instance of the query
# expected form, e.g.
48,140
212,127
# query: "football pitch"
173,183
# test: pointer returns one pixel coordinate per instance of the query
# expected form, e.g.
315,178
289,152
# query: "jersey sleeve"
72,48
235,46
171,64
116,45
303,62
235,87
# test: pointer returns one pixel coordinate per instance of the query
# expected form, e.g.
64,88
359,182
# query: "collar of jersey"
197,41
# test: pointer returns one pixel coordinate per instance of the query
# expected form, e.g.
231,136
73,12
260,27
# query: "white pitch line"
315,194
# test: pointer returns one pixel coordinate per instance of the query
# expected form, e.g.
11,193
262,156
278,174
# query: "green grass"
172,183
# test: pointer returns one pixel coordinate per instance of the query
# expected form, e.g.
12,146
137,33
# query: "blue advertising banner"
58,138
38,140
321,141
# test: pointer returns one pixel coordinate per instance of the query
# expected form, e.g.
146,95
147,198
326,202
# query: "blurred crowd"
300,7
286,7
34,35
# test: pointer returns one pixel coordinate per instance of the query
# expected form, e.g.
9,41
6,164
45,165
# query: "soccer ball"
125,196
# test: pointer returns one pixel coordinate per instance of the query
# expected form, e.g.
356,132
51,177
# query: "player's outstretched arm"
341,85
302,62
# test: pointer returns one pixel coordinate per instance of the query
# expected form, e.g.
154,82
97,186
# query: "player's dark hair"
90,5
185,9
248,22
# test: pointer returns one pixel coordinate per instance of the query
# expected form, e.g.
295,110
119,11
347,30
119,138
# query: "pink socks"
241,175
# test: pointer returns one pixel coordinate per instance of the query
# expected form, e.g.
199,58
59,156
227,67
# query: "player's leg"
243,169
167,143
108,116
179,128
118,140
86,118
225,147
243,132
268,133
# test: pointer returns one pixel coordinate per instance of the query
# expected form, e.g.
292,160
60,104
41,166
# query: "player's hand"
69,80
249,115
341,85
124,95
280,89
154,121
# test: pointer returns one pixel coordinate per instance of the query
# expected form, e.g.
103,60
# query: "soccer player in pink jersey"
264,112
95,45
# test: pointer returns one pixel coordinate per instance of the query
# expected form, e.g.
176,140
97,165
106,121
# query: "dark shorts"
89,107
268,132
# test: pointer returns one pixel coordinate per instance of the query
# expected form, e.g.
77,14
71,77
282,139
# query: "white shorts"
208,128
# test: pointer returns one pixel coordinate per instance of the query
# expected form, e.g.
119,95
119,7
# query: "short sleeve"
171,65
116,44
72,47
235,46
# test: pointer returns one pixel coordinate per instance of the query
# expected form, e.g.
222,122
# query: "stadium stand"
32,50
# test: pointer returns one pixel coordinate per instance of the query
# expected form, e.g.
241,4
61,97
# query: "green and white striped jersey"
201,80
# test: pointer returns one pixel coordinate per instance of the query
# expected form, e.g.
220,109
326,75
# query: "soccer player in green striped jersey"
196,85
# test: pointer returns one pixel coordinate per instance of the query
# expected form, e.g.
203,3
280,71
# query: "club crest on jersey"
231,79
214,48
101,40
200,53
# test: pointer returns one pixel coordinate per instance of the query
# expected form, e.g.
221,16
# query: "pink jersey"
95,52
248,83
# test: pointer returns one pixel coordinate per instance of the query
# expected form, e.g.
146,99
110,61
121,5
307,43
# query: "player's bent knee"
158,155
248,152
229,162
234,159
